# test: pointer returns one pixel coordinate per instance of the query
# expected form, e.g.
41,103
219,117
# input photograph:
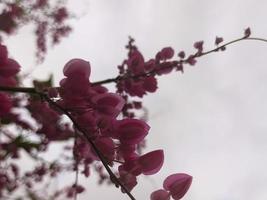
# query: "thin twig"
32,90
113,178
197,55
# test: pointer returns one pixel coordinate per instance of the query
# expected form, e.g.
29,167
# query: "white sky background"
210,121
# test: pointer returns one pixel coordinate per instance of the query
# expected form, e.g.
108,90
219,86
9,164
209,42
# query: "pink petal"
151,162
131,131
150,84
100,89
127,151
9,68
165,53
131,166
87,121
160,195
10,81
5,104
106,147
75,85
178,184
165,68
136,62
109,103
128,180
3,53
150,65
77,67
181,54
135,88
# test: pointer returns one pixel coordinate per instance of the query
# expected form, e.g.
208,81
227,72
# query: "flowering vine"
107,135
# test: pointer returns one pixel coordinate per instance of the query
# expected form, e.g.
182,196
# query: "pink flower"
128,180
136,62
134,87
165,68
9,68
10,81
175,185
77,67
5,104
106,147
3,53
127,151
75,86
181,54
160,195
88,122
108,104
150,65
151,162
178,184
150,84
165,53
131,131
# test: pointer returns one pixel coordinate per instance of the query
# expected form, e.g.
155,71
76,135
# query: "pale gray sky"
211,121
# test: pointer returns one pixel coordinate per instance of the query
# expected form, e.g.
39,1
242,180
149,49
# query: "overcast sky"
210,121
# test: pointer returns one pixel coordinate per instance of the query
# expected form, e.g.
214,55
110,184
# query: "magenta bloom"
127,151
10,81
77,67
108,104
136,62
151,162
160,195
106,147
5,104
165,53
150,84
3,53
177,184
9,68
131,131
148,164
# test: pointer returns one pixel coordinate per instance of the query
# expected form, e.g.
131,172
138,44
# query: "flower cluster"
103,127
175,186
97,111
48,18
8,69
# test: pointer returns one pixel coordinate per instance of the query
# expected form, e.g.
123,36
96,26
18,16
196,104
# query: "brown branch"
28,90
